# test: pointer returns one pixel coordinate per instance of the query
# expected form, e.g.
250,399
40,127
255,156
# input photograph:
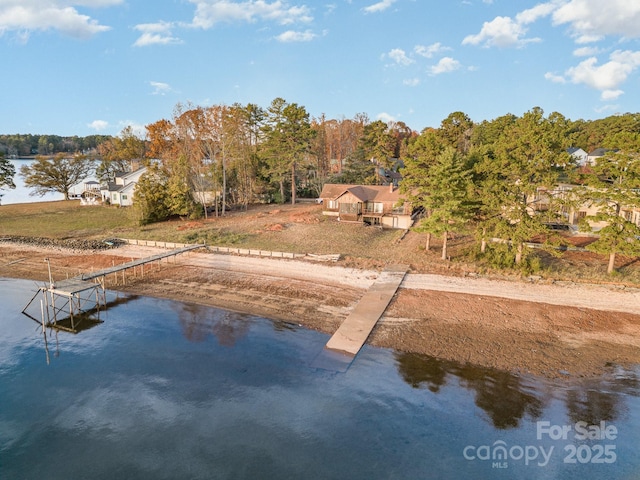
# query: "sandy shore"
544,329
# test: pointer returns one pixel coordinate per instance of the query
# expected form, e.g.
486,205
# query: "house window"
332,204
115,197
374,207
628,215
581,215
124,197
350,208
398,209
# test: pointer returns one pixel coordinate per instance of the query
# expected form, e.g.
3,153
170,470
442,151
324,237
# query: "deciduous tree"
119,154
57,174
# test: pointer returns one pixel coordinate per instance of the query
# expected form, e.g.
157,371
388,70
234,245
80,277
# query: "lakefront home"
383,206
120,191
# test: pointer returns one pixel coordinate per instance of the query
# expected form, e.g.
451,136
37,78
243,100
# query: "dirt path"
543,329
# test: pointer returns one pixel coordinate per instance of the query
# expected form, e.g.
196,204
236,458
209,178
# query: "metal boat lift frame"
78,292
71,299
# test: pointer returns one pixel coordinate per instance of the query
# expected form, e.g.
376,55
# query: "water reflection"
417,370
82,322
602,399
508,399
198,322
501,395
150,394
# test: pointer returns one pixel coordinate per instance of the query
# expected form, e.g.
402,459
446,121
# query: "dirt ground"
508,325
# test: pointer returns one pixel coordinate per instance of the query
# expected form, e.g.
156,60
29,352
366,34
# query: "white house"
594,155
579,155
121,190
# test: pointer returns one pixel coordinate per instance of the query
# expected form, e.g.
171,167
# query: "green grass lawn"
63,219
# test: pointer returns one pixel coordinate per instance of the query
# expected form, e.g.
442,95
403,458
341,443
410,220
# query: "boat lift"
64,304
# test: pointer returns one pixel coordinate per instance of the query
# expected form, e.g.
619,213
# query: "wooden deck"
354,331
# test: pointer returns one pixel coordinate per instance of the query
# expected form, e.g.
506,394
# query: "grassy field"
300,229
63,219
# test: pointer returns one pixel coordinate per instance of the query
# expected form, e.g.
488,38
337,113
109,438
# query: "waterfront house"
383,206
120,191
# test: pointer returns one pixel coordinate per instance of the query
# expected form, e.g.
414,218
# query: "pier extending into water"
354,331
64,303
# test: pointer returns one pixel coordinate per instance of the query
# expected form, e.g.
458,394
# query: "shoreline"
521,327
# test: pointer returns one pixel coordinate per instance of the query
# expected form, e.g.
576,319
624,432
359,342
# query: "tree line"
205,160
514,176
25,145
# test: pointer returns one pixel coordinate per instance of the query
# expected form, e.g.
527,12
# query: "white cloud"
582,39
499,32
607,76
593,19
611,94
293,36
379,7
586,51
210,12
445,65
509,32
607,108
24,16
160,88
532,15
155,34
138,129
555,78
385,117
400,57
98,125
92,3
411,82
431,50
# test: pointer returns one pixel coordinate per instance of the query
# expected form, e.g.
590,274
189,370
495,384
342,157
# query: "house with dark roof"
594,155
367,204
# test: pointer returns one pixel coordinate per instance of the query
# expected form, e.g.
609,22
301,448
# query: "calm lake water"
168,390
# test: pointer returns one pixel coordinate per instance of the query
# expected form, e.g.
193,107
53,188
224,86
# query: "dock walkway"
71,291
354,331
137,263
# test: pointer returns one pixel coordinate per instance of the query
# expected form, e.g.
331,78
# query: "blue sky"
81,67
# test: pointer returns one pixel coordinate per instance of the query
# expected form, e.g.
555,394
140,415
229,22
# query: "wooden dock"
354,331
67,299
137,263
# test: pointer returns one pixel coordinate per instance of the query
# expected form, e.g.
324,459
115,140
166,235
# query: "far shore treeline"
486,174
